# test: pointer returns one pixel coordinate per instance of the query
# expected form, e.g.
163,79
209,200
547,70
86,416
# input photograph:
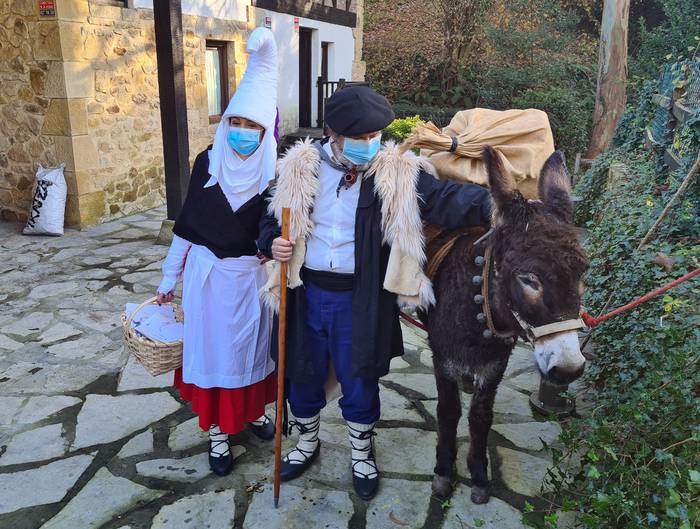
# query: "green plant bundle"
399,129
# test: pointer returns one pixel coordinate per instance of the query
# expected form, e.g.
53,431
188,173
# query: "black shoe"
366,487
265,431
292,471
223,464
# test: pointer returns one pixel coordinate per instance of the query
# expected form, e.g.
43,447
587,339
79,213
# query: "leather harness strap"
532,333
439,256
535,333
487,299
439,243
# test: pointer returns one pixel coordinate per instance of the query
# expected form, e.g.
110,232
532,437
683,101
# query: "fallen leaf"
255,487
396,520
661,259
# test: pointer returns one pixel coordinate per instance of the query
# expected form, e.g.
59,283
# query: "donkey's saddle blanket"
523,138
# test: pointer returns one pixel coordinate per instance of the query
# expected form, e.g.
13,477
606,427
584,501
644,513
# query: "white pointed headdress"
255,99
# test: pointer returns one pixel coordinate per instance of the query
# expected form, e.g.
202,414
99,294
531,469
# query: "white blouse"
173,264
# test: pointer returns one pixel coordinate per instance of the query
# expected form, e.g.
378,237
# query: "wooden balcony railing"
325,90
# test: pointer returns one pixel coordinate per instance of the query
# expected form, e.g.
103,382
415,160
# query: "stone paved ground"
89,440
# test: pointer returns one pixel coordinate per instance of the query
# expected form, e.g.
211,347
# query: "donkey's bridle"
531,333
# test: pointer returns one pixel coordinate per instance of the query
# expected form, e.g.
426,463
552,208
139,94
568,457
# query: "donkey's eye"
530,282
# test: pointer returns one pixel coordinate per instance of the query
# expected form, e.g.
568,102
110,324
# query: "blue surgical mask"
243,141
361,152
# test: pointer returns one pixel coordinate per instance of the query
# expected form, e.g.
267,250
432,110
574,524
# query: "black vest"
207,219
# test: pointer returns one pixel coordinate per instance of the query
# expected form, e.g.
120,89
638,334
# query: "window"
217,79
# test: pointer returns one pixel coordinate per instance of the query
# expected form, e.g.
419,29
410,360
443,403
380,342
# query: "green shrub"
639,445
667,40
539,58
399,129
568,111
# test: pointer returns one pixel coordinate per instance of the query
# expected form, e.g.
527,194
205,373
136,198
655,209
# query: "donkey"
533,277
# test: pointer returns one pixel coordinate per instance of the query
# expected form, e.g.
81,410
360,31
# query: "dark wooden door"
324,61
304,77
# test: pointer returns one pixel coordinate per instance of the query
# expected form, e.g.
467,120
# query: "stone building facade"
81,88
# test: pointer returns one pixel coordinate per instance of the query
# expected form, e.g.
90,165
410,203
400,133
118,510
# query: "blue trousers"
329,338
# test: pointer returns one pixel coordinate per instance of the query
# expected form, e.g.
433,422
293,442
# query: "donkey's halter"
532,334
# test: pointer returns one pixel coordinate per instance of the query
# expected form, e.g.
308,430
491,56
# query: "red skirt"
231,409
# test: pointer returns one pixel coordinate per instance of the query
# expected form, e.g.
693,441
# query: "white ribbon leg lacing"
219,442
363,462
261,421
308,439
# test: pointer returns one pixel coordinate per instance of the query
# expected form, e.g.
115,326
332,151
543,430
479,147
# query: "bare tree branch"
460,19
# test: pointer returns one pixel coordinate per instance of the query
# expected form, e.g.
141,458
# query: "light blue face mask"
361,152
243,141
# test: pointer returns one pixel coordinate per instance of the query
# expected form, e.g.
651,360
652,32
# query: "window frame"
222,47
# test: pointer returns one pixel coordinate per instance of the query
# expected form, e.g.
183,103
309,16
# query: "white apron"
227,328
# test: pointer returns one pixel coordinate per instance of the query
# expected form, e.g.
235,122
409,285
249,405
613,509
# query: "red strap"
412,321
594,322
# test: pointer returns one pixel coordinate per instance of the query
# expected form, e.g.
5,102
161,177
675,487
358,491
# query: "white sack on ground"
48,208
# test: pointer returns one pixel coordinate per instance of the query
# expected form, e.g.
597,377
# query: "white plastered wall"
341,54
224,9
341,51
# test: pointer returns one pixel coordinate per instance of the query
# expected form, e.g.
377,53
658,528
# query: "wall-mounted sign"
47,8
296,23
268,22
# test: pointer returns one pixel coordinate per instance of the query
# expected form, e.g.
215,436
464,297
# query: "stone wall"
25,55
359,67
82,89
116,47
123,115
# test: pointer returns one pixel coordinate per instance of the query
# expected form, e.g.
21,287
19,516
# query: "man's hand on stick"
282,249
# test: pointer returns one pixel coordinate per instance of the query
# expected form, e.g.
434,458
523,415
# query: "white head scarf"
254,99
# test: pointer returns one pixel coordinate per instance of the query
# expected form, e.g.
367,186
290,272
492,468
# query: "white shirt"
331,246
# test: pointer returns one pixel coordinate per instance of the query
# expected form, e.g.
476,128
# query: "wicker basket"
156,357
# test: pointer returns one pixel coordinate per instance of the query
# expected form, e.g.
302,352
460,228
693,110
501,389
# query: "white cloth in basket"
227,331
156,322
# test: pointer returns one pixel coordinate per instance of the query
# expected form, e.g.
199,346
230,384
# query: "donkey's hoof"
442,486
480,495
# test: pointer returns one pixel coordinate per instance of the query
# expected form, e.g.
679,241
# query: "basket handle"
137,309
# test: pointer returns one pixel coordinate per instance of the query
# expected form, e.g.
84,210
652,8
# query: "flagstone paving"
88,439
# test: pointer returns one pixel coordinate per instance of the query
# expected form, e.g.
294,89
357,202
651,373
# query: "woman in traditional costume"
227,373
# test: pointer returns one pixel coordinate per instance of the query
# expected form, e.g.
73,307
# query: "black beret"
357,110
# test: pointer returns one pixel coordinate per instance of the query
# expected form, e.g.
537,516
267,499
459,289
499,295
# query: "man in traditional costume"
356,254
227,372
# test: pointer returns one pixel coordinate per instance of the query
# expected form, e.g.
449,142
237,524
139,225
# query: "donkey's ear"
555,187
501,184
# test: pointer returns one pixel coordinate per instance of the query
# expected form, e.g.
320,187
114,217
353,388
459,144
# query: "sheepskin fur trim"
297,186
270,293
426,165
395,182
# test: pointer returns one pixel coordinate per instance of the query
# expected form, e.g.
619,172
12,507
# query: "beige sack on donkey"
523,138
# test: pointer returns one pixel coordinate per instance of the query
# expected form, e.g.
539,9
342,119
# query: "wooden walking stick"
282,332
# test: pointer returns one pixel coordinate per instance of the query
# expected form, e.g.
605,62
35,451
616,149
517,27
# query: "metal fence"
678,101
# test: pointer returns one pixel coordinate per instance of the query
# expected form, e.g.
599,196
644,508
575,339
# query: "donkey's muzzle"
564,376
559,357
